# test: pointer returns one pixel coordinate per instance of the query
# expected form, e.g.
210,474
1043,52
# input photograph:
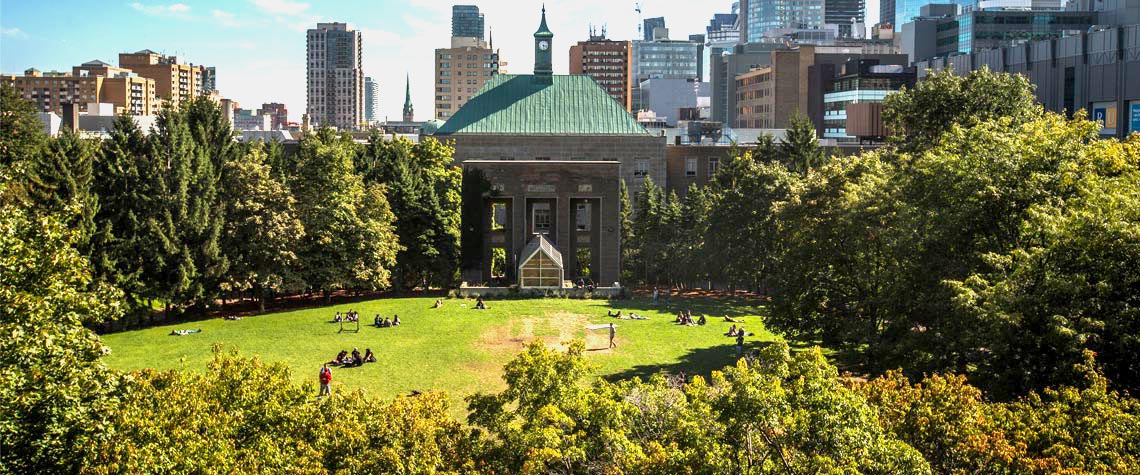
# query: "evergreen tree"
626,236
21,132
799,150
61,176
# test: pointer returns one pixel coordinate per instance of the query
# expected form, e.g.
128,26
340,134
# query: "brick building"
608,62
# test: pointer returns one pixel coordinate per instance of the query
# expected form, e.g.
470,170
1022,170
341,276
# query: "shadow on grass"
714,307
697,362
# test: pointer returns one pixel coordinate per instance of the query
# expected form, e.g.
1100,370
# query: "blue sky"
258,46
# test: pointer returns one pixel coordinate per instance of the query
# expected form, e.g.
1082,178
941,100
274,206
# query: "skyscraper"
765,18
335,78
650,24
371,99
842,12
887,12
466,21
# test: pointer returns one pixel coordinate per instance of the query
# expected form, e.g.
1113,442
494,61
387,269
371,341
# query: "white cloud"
174,9
225,18
281,7
13,33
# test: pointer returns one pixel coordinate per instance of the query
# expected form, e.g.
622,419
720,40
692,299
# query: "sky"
258,46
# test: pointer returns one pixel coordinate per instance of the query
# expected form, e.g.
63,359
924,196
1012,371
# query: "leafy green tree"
742,224
917,117
627,238
262,231
21,132
424,190
55,399
799,149
350,240
689,246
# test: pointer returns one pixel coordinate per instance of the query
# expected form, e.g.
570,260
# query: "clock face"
543,45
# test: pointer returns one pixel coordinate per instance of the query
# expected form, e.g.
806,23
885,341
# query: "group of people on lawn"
351,316
686,318
385,322
345,359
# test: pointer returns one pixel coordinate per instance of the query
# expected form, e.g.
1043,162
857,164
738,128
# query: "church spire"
409,113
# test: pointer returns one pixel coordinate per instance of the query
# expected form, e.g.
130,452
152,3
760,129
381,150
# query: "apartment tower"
335,78
175,81
93,81
607,61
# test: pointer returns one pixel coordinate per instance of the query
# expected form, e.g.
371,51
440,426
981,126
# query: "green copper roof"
517,104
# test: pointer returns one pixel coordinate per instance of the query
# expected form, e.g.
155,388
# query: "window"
498,216
690,167
641,168
540,218
713,164
582,217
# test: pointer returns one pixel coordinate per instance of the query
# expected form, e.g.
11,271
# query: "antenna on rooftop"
637,8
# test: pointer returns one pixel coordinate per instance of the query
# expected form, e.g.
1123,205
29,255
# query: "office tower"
460,71
335,79
662,59
887,12
844,13
700,41
608,62
174,80
409,114
90,82
371,100
279,116
907,10
779,17
722,34
942,30
649,25
466,21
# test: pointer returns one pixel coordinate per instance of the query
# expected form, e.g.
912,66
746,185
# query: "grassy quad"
455,348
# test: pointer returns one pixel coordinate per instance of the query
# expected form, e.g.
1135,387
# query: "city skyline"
258,46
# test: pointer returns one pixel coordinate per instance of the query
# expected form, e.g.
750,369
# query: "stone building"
543,158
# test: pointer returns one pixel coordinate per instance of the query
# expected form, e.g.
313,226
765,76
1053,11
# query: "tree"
262,230
350,240
423,189
917,117
799,149
21,132
61,176
626,236
56,397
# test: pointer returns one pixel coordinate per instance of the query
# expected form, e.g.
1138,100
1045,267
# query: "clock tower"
543,41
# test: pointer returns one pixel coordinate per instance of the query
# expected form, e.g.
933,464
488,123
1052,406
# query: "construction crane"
637,8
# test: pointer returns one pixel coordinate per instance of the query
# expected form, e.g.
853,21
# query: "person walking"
613,331
656,295
326,380
740,342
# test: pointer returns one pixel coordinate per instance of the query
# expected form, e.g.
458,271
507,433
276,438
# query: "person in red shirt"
326,380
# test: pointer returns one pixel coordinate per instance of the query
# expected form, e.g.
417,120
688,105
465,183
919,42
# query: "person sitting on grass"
438,303
615,315
740,331
731,330
395,320
377,321
479,305
680,318
336,319
356,359
368,356
702,321
339,358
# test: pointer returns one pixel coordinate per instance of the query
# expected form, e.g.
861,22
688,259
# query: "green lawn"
455,348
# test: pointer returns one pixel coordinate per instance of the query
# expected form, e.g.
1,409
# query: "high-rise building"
700,41
907,10
853,96
662,59
90,82
941,31
174,80
608,62
278,115
887,12
210,80
768,18
335,78
722,34
650,25
844,13
466,21
460,71
409,114
371,99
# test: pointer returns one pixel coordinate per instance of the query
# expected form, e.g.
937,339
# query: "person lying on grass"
733,320
184,332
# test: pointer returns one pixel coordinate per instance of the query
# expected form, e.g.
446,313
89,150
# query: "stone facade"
565,188
640,156
687,165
